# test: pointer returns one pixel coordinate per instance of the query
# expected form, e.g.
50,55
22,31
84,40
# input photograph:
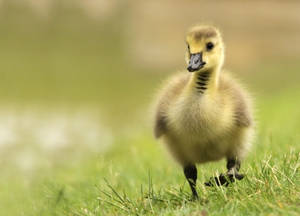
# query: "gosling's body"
205,126
205,115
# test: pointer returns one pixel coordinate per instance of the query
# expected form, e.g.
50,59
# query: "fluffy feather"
206,115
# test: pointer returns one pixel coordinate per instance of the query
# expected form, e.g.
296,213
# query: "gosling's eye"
188,46
209,46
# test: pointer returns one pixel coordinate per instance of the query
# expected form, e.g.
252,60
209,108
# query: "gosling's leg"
190,172
233,167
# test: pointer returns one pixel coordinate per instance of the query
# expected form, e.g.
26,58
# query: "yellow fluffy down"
202,128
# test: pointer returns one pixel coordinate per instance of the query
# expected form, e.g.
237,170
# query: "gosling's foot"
194,198
224,179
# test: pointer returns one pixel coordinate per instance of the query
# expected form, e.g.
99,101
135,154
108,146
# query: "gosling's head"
205,49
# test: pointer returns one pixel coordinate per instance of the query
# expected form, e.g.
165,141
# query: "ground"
137,177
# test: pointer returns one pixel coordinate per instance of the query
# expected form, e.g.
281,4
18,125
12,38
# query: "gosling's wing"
240,99
242,112
168,95
160,126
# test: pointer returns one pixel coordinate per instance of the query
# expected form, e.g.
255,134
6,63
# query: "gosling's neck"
205,82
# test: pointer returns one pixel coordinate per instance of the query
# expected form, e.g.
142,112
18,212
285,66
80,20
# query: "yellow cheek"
196,50
208,57
196,47
211,58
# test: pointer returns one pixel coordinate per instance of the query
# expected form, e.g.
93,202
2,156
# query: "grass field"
76,139
136,177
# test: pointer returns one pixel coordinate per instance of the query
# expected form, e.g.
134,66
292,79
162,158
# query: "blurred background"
78,77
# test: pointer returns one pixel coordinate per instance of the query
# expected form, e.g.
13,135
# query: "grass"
136,177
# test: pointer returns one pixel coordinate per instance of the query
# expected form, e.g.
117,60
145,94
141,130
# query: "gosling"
204,115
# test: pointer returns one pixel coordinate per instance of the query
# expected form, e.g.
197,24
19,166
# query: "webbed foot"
224,179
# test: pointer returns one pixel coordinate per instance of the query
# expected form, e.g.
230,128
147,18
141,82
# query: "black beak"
196,62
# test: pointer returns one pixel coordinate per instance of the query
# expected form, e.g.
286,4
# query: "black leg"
190,172
233,167
233,163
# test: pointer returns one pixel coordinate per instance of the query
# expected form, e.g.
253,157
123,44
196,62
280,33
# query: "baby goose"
205,115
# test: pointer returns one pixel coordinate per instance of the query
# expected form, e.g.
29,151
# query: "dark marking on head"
204,33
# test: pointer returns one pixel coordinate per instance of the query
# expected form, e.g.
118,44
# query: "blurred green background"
77,78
